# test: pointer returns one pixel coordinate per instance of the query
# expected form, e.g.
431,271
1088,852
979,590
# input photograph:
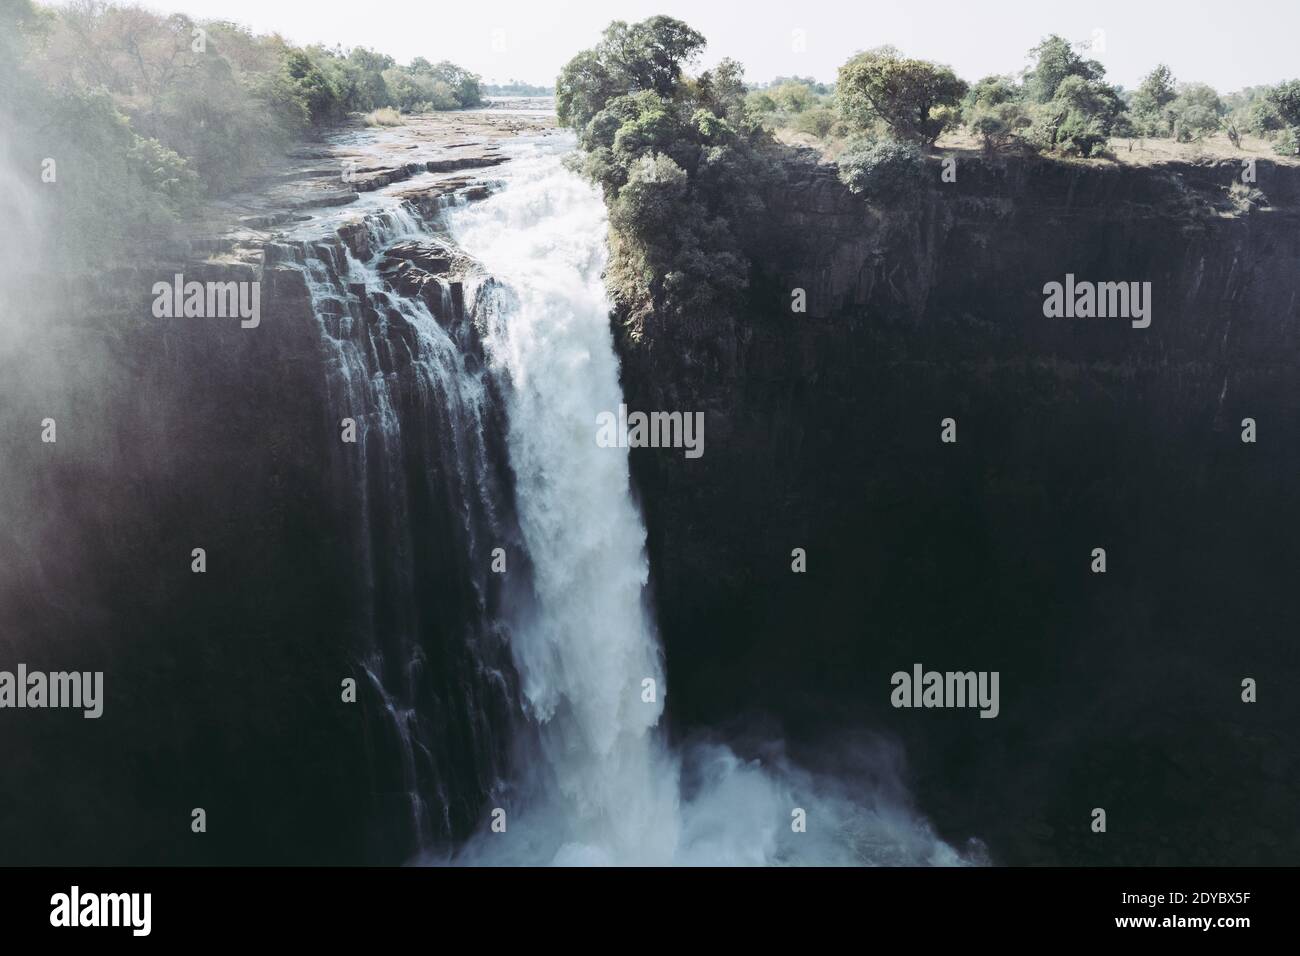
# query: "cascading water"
424,478
587,653
537,691
601,786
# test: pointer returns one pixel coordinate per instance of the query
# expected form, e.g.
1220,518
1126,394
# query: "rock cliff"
1120,690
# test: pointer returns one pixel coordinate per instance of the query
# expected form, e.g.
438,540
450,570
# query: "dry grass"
1147,152
1126,152
385,116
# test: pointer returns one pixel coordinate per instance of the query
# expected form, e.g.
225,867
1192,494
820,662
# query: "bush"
1288,142
1078,120
1195,112
882,170
1150,103
384,116
993,111
816,122
1263,119
114,186
793,97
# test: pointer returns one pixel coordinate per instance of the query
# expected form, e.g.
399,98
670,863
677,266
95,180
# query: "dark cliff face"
223,690
174,435
1119,690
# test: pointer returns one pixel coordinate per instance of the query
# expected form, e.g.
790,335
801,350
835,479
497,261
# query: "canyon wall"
1119,690
324,562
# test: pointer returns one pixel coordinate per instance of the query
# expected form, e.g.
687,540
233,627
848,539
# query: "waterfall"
600,784
427,498
505,640
587,653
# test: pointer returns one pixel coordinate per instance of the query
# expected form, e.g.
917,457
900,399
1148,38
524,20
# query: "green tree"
681,161
1195,112
1054,61
915,99
1074,110
311,87
465,87
372,91
793,97
992,110
650,55
1079,119
1285,100
1150,103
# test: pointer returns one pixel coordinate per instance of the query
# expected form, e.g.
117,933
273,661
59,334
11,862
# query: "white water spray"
604,788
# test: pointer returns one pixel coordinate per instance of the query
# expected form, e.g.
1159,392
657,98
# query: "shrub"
883,170
1078,120
993,111
1195,112
816,122
1055,61
1288,143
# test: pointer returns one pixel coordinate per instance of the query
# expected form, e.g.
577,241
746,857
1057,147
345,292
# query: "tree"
315,89
1285,100
1150,102
793,97
649,55
1074,109
993,111
466,87
680,160
1263,118
1054,61
371,90
916,99
1195,112
1079,119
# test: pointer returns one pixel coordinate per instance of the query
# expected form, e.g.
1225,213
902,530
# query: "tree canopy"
917,100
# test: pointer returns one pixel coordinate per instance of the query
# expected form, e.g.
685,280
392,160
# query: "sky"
1228,45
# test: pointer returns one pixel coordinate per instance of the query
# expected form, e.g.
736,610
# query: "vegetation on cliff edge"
138,116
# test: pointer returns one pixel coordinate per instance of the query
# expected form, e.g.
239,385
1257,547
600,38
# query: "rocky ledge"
332,185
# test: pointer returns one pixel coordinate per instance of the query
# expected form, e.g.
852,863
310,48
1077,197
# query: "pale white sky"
1229,45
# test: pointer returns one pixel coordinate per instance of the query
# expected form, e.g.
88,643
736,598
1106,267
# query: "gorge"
461,322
